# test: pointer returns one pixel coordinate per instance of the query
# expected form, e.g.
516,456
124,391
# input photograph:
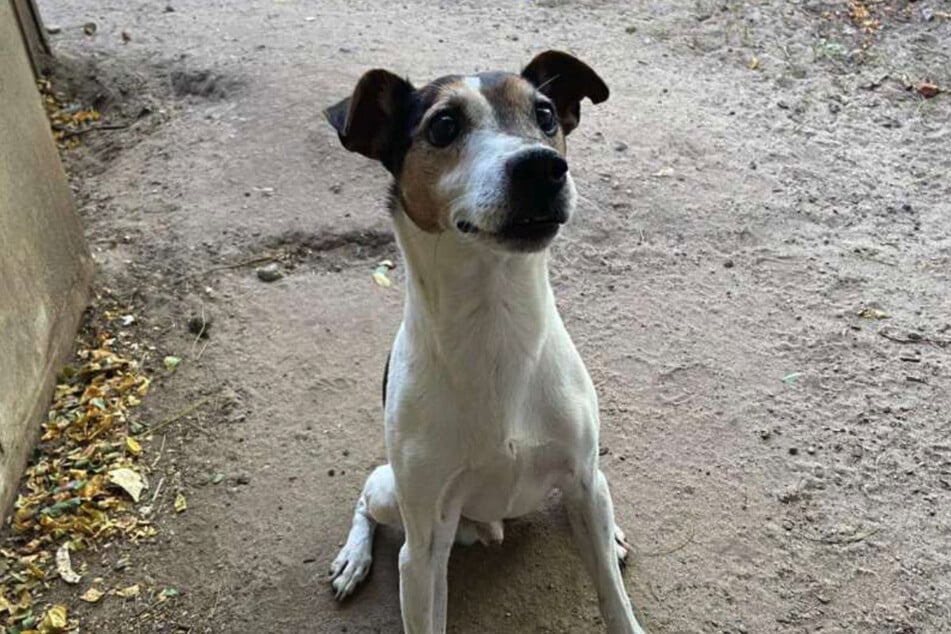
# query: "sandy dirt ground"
758,279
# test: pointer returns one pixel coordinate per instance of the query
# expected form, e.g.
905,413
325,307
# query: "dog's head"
481,157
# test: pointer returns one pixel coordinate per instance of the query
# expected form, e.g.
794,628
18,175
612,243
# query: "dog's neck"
465,300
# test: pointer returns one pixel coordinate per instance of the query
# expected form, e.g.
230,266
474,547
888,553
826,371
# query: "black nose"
536,178
540,168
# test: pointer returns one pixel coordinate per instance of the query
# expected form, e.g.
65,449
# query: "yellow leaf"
180,503
753,64
132,446
92,595
127,593
54,621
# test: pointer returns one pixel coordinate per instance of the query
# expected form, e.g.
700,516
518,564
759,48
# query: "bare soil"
758,279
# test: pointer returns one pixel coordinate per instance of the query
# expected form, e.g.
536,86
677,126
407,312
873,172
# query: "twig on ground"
664,553
834,541
69,133
158,489
180,415
160,451
235,265
914,337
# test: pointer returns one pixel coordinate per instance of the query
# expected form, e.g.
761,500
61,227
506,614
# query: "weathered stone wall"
44,264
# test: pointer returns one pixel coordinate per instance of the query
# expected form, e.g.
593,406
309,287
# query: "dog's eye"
443,129
545,116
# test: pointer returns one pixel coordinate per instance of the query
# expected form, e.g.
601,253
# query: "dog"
488,406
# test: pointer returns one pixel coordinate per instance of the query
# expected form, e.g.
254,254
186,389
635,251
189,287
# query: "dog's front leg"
591,515
424,562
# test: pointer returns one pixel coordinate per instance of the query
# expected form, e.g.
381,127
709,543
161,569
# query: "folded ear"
372,120
565,80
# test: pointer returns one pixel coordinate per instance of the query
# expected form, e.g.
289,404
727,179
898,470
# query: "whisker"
547,81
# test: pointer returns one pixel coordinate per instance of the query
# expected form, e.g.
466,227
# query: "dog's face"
479,157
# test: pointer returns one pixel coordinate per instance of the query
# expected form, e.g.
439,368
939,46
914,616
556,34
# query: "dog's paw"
487,533
350,567
621,546
490,532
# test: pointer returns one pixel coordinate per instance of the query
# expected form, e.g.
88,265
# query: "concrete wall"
44,265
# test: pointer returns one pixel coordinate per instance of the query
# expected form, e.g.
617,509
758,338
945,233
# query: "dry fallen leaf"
127,593
129,481
54,621
181,504
65,567
873,313
167,593
92,595
927,89
132,446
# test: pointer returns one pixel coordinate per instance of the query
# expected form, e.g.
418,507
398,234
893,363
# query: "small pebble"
620,146
728,264
53,29
269,273
331,472
793,451
90,28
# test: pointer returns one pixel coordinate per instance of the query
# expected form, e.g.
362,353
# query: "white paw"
351,566
490,532
622,548
487,533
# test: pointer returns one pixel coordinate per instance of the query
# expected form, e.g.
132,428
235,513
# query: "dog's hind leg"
377,505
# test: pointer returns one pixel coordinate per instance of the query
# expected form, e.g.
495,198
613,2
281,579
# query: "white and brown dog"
488,406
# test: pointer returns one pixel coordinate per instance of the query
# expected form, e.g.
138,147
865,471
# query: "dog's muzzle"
536,187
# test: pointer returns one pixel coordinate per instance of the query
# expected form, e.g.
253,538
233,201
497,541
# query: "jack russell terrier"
488,406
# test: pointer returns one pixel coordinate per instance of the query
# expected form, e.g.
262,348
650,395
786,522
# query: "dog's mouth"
525,234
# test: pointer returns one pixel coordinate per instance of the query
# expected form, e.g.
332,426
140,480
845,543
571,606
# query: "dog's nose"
538,168
536,177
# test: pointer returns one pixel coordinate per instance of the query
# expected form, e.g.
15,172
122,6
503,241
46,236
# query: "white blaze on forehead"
473,83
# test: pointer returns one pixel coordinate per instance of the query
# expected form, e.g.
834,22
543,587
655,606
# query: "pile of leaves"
79,489
67,120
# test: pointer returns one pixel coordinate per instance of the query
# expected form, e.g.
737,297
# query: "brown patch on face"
500,103
513,99
424,164
422,168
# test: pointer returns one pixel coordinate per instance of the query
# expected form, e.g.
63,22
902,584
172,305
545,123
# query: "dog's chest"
513,481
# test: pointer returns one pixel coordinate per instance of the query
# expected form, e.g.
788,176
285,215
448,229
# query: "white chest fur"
487,397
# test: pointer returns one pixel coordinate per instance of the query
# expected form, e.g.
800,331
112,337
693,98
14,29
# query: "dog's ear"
371,121
566,80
